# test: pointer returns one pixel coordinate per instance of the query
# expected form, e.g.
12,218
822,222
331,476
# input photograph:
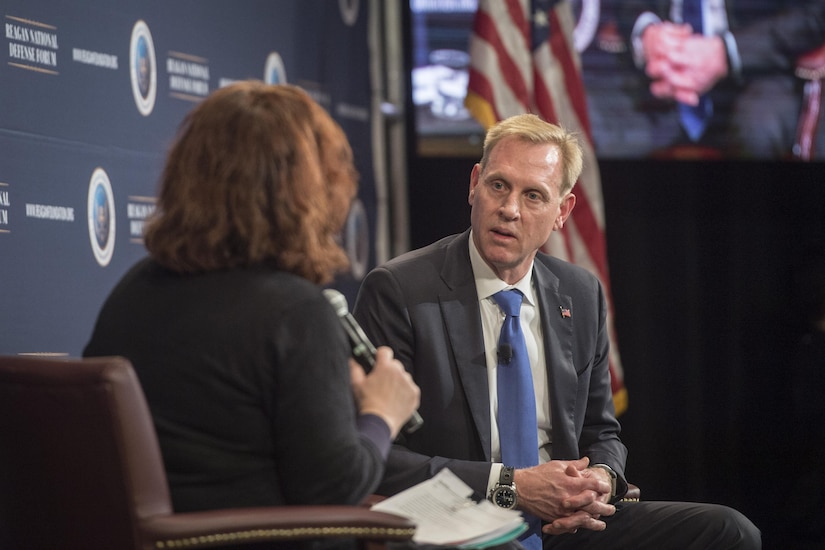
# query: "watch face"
504,497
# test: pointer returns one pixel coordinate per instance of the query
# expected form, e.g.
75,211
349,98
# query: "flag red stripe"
519,20
488,30
541,96
482,87
572,79
586,222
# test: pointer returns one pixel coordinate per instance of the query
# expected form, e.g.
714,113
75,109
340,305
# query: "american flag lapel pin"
565,312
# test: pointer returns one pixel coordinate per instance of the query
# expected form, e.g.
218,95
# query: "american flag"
522,59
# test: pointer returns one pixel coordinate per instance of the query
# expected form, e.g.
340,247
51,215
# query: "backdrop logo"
274,72
357,239
101,215
349,11
143,69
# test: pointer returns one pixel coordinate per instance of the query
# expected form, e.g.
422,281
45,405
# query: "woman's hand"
387,391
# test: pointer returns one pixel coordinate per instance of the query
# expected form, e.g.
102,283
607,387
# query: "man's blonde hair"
531,128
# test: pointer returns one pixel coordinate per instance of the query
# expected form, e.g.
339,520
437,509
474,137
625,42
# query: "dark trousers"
665,525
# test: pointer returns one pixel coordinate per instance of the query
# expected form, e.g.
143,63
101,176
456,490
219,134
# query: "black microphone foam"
362,349
505,353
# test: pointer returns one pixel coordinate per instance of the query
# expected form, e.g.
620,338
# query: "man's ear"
566,207
474,175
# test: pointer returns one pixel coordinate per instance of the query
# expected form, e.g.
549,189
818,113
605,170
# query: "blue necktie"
695,118
517,424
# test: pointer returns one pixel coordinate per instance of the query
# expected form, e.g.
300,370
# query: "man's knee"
734,529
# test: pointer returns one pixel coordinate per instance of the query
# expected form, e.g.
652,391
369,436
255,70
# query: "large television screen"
766,106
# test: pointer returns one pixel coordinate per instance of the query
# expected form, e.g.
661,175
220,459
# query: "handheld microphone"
362,349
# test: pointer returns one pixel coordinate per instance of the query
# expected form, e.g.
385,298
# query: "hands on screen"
682,65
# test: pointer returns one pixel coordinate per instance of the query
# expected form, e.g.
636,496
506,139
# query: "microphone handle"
364,353
414,422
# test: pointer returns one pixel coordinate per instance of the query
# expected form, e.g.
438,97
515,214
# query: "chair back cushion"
79,460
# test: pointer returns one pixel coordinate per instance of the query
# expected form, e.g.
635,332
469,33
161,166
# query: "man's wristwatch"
504,494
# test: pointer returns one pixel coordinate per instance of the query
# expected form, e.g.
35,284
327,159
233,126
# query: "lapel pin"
565,312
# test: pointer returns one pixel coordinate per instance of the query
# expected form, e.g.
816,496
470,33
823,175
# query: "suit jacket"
424,305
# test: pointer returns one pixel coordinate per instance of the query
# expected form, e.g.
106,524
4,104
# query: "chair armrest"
633,494
811,65
372,500
282,523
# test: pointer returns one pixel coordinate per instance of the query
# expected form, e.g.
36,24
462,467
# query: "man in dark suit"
434,308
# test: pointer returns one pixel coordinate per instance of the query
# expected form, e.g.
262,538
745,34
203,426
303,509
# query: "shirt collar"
487,283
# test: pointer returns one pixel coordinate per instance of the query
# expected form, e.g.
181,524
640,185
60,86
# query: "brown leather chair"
80,467
633,494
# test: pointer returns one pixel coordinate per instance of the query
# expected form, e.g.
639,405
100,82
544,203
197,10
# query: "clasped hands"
568,495
681,64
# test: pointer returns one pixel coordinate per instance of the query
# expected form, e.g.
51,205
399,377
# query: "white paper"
445,513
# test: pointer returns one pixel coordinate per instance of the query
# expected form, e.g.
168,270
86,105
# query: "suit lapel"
462,319
558,349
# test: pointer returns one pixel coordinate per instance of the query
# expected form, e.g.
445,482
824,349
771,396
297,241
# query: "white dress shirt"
492,318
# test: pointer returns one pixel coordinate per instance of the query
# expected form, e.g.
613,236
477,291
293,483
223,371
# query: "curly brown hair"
259,175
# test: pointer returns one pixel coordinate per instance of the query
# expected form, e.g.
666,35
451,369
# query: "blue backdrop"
91,95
